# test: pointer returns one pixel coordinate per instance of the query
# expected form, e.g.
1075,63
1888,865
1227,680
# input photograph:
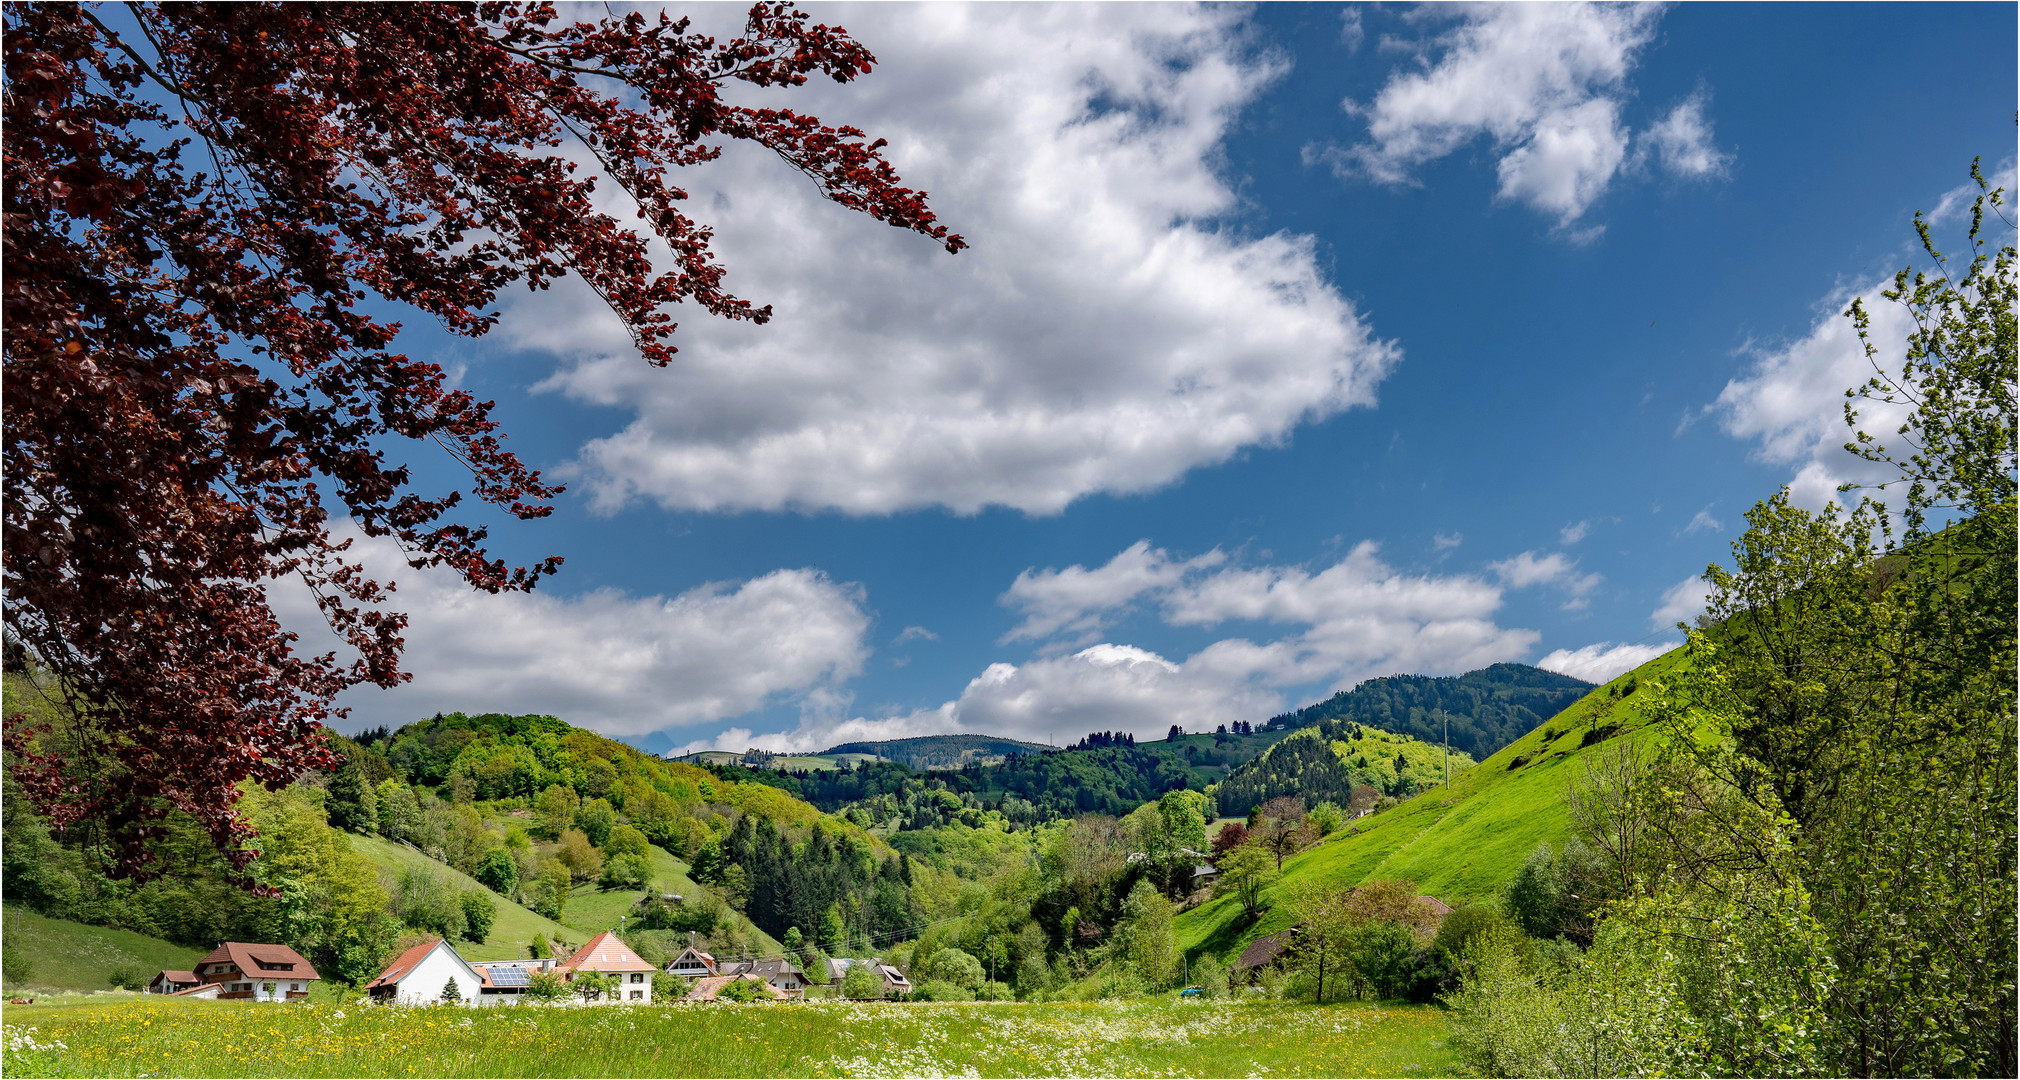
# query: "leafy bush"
955,967
743,992
126,978
479,913
860,983
499,872
626,871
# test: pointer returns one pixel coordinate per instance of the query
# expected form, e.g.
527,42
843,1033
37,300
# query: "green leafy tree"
596,819
1246,873
538,948
479,913
1150,941
591,985
451,993
546,986
499,872
860,983
399,810
742,991
351,802
555,810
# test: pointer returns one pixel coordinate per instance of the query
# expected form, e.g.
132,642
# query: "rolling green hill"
941,751
589,911
1327,762
1461,844
55,954
1486,709
515,927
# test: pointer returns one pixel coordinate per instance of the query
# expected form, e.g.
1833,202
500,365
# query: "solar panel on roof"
509,977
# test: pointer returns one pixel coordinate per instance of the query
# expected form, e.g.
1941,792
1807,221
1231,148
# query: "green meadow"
1463,843
139,1036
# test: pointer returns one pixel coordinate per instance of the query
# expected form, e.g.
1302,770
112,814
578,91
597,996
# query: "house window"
636,977
294,986
637,995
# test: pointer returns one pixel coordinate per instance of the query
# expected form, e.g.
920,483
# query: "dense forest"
1106,773
1487,709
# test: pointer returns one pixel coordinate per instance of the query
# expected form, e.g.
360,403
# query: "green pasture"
1459,844
516,926
142,1036
44,954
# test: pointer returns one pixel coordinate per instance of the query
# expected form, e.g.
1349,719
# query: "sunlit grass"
1112,1038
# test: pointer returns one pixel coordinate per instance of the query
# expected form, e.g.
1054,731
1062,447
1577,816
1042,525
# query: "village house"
168,982
894,980
692,963
607,954
505,981
708,988
780,974
422,976
250,971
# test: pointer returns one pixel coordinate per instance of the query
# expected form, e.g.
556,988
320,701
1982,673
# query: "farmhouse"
692,963
250,971
168,982
423,975
505,981
606,954
706,989
780,974
894,980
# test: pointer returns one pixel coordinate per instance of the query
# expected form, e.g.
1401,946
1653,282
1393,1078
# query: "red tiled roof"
257,960
399,968
605,952
178,976
706,989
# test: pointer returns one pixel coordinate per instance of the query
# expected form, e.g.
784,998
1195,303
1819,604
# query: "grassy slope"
1462,844
73,956
515,927
592,910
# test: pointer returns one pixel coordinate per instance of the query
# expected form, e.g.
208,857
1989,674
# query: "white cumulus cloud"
1079,601
1346,622
1603,661
1682,602
1546,83
1110,329
619,664
1791,402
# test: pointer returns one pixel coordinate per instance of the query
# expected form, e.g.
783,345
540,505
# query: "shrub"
479,913
861,983
667,987
955,967
743,992
122,978
498,872
626,871
545,985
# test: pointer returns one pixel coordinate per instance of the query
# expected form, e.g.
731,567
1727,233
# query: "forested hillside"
1350,764
1487,709
941,751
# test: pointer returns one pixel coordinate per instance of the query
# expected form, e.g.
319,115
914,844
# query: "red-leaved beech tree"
200,199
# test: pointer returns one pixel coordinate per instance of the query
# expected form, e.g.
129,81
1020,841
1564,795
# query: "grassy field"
151,1036
515,927
1462,844
72,956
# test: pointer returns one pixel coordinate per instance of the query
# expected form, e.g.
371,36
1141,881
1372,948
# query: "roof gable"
407,961
605,952
260,960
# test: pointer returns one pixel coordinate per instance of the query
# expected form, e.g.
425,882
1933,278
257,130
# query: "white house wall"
423,985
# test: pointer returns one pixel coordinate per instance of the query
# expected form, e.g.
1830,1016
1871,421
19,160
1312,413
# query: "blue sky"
1297,345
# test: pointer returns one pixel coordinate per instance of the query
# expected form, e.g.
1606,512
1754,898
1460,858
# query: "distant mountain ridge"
1488,708
942,751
